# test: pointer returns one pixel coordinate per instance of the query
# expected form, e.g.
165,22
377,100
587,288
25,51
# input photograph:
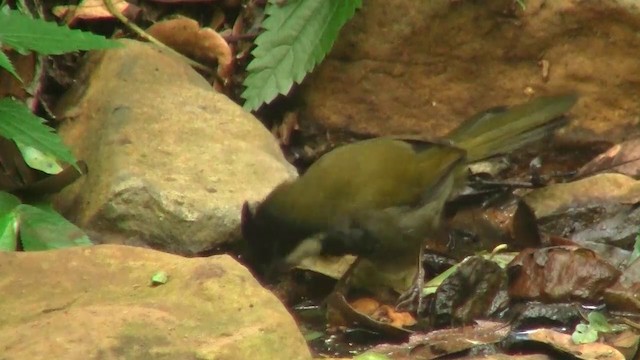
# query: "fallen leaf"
564,343
557,274
624,295
623,158
91,10
204,45
439,343
477,289
595,190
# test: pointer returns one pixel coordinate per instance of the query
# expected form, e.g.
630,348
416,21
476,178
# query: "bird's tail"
502,130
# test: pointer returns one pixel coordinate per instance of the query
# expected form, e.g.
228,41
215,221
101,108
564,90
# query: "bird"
380,198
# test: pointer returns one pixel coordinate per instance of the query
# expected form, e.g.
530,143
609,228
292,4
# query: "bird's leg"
455,235
497,184
413,295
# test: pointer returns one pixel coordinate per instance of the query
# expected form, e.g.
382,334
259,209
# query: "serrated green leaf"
42,228
38,160
19,124
8,232
48,38
6,64
296,37
8,203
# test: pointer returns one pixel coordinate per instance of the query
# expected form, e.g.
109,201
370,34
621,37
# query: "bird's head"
273,243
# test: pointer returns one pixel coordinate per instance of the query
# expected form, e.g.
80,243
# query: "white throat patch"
311,246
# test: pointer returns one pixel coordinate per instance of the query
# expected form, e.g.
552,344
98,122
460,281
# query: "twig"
240,37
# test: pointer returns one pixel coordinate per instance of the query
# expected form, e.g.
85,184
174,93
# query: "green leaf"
36,159
6,64
8,232
8,203
19,124
159,278
636,249
599,322
311,335
371,356
432,285
296,37
41,228
8,222
584,334
23,33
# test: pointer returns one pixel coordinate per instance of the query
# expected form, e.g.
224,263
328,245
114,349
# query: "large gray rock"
170,160
97,303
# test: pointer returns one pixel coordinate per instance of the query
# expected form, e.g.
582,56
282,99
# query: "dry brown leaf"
383,313
595,190
562,273
624,295
626,342
564,343
623,158
439,343
25,66
89,10
201,44
366,306
285,129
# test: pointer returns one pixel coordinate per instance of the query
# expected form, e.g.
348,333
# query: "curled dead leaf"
92,10
561,273
624,294
623,158
440,343
201,44
595,190
564,343
341,314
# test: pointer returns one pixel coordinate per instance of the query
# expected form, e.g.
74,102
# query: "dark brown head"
269,239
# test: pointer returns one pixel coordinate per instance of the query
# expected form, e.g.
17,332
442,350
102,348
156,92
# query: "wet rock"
170,160
97,303
407,67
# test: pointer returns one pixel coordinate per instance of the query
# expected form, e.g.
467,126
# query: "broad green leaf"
6,64
19,124
23,33
296,37
8,232
36,159
42,229
8,203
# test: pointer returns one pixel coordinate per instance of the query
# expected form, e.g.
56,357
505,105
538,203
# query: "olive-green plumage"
393,180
